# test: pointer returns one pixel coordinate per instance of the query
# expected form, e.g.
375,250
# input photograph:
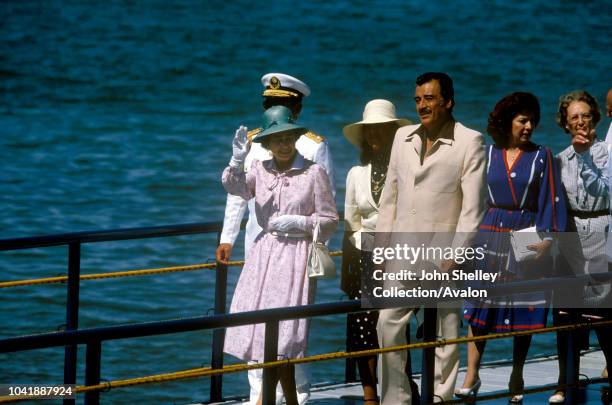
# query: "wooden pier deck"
538,372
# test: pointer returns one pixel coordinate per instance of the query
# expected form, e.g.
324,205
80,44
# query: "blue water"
121,114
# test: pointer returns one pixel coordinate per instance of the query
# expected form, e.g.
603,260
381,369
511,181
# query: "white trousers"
301,381
394,384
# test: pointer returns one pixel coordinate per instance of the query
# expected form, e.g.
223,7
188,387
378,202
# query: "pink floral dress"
274,274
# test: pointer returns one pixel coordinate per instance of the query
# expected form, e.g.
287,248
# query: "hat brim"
278,129
354,132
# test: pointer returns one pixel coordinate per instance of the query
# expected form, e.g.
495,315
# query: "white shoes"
470,391
516,399
302,397
557,398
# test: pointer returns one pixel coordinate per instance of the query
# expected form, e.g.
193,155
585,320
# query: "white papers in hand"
521,239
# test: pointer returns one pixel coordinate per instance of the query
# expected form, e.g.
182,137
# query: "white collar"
297,164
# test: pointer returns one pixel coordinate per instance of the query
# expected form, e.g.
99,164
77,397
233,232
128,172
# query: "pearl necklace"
378,177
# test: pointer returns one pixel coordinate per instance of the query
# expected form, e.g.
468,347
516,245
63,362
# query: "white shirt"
235,206
609,142
360,209
609,135
585,177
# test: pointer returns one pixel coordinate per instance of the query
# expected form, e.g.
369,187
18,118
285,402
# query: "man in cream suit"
435,183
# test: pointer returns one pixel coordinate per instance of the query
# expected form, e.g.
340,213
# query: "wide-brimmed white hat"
377,111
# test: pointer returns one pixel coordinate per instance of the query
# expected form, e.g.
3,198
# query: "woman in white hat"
364,185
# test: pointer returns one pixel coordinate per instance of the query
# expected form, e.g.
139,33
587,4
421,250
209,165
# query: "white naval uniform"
312,147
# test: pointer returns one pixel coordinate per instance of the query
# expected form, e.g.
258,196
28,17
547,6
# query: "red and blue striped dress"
520,195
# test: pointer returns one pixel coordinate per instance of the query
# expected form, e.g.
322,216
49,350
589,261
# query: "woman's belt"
289,234
588,214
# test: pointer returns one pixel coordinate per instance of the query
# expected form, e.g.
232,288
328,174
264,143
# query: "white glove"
287,223
240,147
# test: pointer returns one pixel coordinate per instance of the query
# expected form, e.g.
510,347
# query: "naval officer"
288,91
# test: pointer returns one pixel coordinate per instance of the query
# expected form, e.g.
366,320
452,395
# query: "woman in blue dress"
524,190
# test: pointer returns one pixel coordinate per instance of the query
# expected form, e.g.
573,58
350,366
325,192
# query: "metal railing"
75,240
93,338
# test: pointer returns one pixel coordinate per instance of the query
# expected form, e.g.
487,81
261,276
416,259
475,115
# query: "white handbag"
522,238
320,264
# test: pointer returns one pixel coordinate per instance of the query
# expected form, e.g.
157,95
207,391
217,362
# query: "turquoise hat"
277,119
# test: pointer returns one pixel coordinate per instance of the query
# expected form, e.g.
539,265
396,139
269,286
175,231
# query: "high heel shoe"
557,398
470,391
515,385
516,399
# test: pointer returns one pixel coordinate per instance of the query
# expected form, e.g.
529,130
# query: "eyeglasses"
576,118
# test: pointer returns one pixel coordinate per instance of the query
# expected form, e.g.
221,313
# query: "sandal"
516,399
516,385
557,398
470,391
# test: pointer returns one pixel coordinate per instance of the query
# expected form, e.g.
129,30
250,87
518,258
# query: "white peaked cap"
282,85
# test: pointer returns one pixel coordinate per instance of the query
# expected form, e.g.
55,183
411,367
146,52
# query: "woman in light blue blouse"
584,174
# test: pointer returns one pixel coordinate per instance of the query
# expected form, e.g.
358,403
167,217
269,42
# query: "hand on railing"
223,253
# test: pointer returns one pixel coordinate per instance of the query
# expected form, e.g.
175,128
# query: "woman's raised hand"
240,148
583,140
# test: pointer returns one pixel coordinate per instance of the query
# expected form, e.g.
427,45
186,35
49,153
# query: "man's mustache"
425,110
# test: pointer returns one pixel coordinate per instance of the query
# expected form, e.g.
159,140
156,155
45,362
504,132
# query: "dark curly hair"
576,95
500,119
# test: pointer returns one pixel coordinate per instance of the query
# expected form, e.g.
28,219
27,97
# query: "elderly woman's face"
579,119
379,136
282,147
522,129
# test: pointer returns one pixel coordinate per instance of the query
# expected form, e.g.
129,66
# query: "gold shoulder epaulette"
314,136
253,132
